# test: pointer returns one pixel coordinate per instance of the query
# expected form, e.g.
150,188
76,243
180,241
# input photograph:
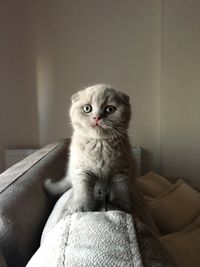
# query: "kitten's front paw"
80,206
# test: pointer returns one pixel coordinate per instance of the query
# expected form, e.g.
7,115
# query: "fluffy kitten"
100,152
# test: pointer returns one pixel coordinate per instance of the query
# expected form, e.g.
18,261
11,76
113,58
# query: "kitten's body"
100,152
105,165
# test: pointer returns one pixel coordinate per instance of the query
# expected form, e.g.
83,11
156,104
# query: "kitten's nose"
97,119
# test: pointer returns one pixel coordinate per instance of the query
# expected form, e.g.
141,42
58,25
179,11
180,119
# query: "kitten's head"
100,111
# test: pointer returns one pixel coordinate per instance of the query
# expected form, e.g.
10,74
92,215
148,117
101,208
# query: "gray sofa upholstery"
25,207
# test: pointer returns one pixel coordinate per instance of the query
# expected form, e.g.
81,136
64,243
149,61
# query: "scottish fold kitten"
100,153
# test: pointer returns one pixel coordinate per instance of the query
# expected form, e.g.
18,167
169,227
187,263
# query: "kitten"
100,152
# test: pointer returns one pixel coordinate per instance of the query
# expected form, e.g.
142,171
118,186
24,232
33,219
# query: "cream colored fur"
100,155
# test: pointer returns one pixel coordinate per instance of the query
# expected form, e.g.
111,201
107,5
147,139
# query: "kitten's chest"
103,157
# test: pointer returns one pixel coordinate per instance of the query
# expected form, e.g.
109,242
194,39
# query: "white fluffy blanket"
88,239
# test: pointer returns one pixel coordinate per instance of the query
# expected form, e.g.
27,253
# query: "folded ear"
75,97
125,98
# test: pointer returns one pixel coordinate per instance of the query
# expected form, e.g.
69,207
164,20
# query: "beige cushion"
153,184
176,208
185,245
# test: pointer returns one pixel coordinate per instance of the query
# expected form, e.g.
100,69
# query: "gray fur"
100,156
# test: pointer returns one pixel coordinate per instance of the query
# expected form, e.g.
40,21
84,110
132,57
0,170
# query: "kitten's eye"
87,108
110,109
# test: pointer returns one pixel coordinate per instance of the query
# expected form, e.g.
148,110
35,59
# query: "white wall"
181,89
84,42
18,106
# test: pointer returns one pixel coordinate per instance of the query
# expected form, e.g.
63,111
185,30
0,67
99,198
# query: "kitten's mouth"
99,126
95,124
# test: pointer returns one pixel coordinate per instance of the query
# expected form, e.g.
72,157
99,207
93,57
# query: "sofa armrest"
24,206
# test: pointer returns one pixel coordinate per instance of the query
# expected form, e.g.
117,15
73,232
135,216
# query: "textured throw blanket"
102,238
90,239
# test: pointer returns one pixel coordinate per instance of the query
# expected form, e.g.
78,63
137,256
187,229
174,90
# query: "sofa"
175,208
25,208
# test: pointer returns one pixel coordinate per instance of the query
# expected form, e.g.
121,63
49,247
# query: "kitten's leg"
57,188
83,192
119,192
